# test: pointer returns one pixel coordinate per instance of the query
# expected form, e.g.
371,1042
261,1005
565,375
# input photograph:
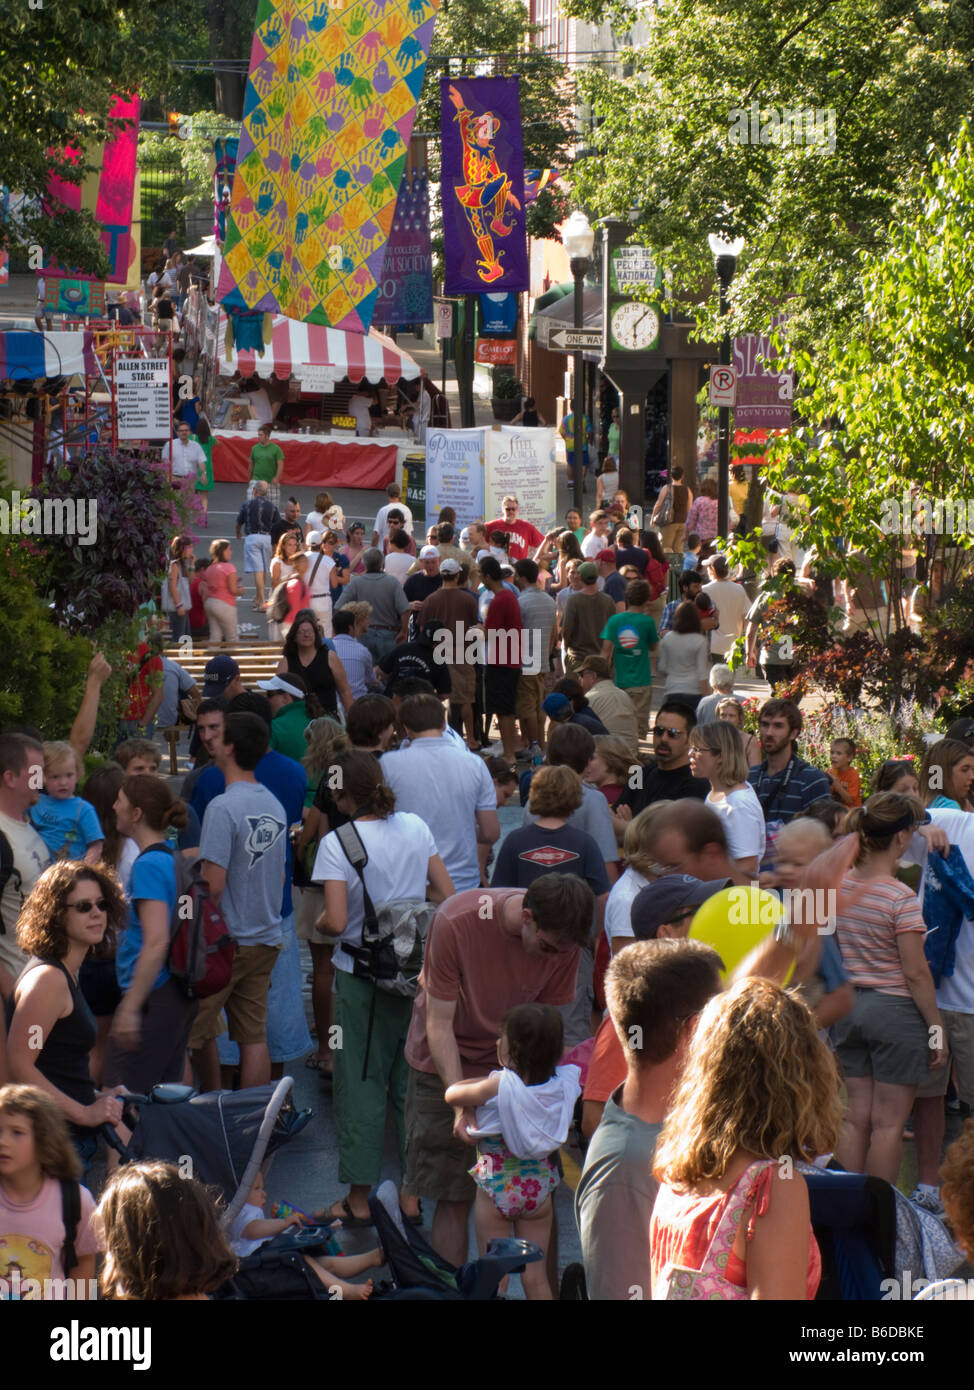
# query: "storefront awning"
560,312
318,355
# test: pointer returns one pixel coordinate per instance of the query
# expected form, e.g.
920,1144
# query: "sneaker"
928,1201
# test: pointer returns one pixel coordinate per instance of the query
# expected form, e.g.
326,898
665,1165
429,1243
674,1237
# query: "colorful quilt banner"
328,114
81,298
107,191
406,288
482,192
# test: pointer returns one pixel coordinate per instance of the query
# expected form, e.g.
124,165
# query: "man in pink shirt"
525,538
502,656
488,950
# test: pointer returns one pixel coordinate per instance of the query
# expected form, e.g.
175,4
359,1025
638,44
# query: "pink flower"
531,1187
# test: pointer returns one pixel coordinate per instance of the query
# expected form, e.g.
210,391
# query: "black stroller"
418,1272
228,1136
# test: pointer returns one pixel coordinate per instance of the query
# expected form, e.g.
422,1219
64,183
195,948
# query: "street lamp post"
578,238
725,254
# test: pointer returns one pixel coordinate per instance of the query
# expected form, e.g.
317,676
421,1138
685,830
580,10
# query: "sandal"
348,1218
416,1220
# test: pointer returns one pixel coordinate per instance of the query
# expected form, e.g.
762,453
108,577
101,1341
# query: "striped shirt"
867,930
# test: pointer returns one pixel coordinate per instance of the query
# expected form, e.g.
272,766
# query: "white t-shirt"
954,991
592,544
446,788
380,521
618,905
398,564
743,821
263,409
399,849
733,605
331,520
321,588
359,407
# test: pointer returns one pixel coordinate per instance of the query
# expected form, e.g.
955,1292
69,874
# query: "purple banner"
483,185
406,288
764,396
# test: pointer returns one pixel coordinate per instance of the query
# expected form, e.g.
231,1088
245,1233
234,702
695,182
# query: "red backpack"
201,949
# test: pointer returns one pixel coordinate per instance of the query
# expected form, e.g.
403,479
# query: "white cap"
429,552
313,540
283,684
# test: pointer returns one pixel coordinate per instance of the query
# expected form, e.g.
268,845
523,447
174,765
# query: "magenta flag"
107,191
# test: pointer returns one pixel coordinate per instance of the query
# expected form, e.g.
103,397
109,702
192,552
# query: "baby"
251,1229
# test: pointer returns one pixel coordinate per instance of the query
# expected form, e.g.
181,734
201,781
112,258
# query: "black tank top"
319,679
530,419
63,1060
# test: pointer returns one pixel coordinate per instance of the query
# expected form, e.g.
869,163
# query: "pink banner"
112,183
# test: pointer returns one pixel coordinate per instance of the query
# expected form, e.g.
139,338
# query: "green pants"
360,1106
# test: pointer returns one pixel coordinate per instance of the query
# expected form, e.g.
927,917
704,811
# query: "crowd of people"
565,990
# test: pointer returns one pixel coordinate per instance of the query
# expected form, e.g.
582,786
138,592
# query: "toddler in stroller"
251,1230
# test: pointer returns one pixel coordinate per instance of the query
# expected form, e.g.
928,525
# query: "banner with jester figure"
406,288
329,111
225,155
483,185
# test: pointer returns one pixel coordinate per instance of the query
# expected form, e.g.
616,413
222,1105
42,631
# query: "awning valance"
318,355
28,356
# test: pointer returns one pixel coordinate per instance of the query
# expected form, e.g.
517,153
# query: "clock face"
635,327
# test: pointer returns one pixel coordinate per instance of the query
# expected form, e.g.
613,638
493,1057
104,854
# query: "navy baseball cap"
557,705
667,897
219,672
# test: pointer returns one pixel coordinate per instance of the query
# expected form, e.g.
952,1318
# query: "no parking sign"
723,385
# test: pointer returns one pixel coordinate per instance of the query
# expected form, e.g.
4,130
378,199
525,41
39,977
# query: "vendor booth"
311,372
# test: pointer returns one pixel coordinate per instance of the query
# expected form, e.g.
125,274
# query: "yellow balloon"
734,921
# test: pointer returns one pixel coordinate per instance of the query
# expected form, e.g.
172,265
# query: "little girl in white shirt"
524,1113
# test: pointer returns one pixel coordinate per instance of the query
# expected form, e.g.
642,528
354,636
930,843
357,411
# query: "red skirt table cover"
310,462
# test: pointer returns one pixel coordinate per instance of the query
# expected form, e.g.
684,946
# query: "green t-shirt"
264,461
631,635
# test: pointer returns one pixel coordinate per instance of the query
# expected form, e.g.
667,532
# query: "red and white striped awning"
318,355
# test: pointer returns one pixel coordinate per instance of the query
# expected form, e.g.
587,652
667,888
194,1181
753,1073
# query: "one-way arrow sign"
573,339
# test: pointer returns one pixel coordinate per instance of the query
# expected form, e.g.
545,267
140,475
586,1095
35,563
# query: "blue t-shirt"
279,774
528,853
615,587
70,823
153,877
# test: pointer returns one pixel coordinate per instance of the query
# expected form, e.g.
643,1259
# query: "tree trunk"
225,44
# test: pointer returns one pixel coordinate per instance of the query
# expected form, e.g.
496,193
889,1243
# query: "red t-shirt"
524,536
143,686
473,959
503,615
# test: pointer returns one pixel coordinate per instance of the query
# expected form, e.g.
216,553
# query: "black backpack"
7,872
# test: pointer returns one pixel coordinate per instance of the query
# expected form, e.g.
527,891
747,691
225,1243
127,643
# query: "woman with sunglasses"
151,1026
73,910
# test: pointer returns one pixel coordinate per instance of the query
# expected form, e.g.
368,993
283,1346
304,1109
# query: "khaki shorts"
530,693
463,684
960,1036
436,1162
642,699
245,1000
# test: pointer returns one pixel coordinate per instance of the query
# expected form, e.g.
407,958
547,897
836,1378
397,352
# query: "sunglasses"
670,732
84,905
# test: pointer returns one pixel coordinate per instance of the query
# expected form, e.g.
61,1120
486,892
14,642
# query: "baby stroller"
228,1136
419,1273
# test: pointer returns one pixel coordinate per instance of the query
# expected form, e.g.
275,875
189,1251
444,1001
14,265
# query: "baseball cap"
313,540
217,675
557,705
283,684
588,572
606,557
449,566
659,902
429,552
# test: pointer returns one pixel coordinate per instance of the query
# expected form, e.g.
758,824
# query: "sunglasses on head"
669,731
84,905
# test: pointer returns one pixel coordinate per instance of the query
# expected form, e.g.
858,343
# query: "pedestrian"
266,465
21,777
308,656
784,782
389,605
523,1114
501,654
326,576
628,639
254,522
65,821
682,660
586,614
357,661
203,436
176,598
244,852
455,607
402,865
185,457
610,704
524,538
717,753
731,711
671,509
539,623
222,591
380,528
